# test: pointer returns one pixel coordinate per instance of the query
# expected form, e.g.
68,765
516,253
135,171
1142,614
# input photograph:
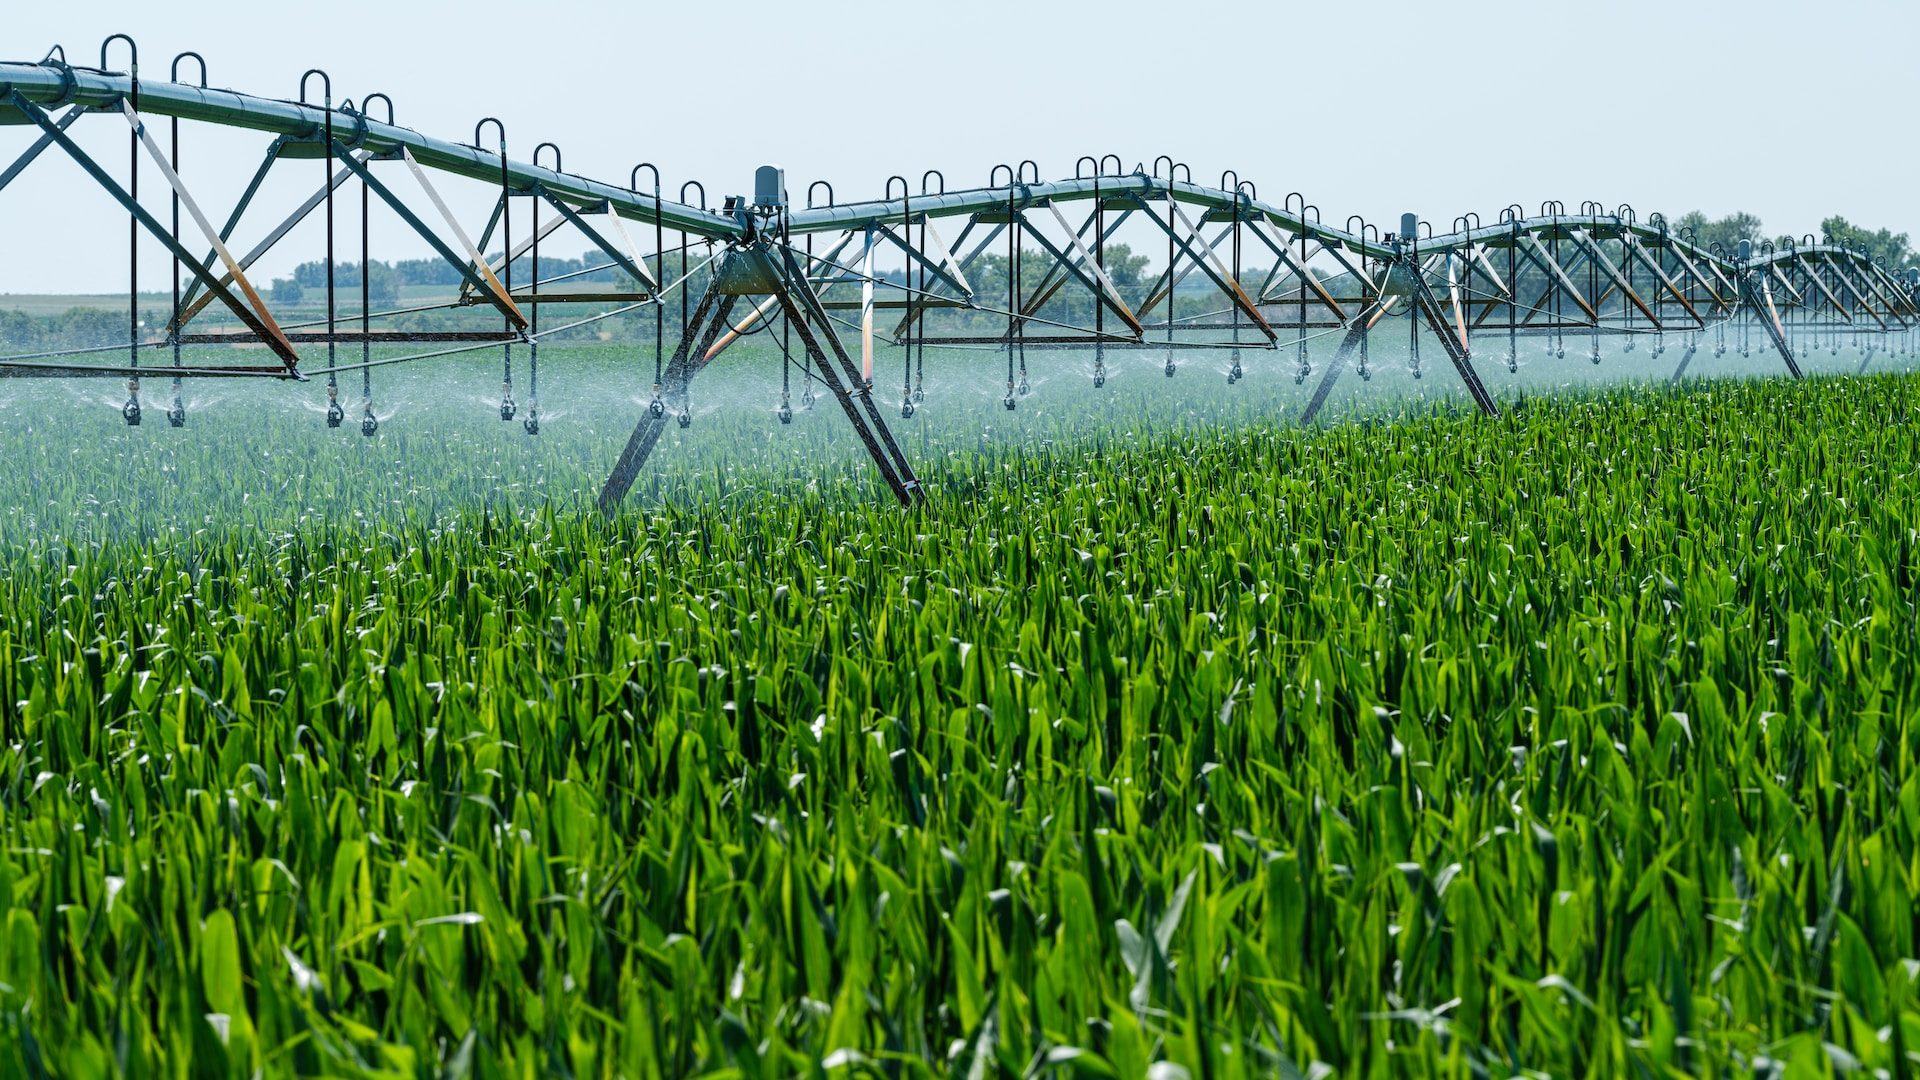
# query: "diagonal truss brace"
1355,335
275,337
628,260
1429,308
288,358
196,301
39,146
473,268
1209,264
1758,295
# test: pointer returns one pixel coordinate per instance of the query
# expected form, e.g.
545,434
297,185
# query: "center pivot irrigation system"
1554,273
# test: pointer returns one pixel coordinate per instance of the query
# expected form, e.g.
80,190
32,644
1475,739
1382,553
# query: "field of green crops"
1169,739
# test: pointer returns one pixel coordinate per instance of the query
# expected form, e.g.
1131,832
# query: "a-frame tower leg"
703,326
810,323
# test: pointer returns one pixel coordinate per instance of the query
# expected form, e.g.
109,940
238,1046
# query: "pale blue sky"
1790,111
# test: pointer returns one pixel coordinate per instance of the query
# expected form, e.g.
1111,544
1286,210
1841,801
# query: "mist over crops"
1170,738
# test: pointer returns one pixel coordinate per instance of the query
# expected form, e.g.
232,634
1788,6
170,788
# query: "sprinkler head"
531,424
177,416
369,423
1594,356
507,408
1560,354
906,408
919,393
1235,374
1628,347
1513,364
1416,373
656,408
131,412
1366,373
335,414
1170,369
686,419
785,413
1025,389
1008,402
806,398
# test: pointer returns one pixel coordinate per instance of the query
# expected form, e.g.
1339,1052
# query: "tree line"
1884,246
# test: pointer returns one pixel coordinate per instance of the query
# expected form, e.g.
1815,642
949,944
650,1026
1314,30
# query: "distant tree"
1883,245
1123,266
286,291
1727,231
383,287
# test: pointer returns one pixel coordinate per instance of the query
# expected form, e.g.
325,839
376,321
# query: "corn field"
1170,742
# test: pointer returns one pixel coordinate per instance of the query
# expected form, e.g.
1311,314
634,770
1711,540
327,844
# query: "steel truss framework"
1239,274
